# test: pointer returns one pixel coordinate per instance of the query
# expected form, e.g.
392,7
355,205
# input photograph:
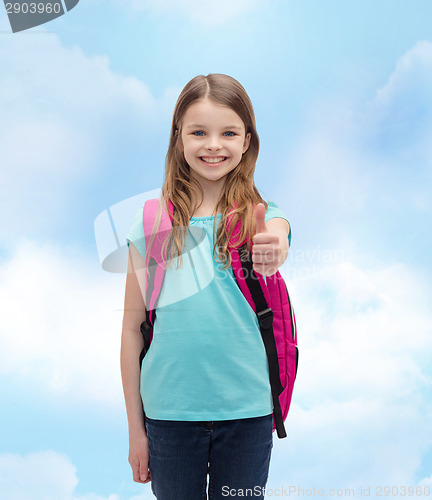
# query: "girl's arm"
131,346
132,342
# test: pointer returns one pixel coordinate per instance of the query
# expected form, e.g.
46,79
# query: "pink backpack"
271,303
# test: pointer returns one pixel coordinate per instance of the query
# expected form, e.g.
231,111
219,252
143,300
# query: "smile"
213,160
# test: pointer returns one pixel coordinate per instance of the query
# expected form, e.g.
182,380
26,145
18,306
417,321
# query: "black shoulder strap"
265,319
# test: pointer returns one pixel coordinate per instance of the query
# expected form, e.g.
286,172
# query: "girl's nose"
213,143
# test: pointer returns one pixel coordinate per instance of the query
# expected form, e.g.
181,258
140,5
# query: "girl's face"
213,138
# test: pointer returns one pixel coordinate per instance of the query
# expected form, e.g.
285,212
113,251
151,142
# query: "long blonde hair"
182,189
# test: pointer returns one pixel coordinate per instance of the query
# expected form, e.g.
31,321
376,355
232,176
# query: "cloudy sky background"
343,98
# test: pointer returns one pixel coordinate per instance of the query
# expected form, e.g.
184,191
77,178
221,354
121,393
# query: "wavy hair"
182,189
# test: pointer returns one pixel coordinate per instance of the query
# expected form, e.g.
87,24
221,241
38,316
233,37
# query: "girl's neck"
206,209
208,204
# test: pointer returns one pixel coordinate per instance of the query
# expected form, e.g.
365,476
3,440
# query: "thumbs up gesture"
266,245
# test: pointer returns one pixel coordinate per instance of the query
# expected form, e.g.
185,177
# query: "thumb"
260,219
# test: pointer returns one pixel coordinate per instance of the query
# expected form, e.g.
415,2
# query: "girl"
204,382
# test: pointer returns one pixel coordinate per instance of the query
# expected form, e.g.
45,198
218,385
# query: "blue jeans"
234,453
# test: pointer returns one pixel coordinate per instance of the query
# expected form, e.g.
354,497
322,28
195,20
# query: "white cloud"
60,110
399,118
427,481
361,409
147,495
61,323
364,167
359,162
43,475
206,13
411,76
379,318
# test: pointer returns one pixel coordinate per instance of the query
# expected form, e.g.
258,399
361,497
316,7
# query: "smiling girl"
201,404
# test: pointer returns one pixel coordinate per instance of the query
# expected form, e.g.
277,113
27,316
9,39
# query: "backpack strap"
157,259
256,292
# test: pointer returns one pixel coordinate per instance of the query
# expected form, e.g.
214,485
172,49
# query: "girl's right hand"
139,457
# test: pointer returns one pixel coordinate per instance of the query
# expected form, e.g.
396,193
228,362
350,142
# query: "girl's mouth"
213,160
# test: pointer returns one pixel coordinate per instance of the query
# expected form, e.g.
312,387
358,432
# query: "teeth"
213,160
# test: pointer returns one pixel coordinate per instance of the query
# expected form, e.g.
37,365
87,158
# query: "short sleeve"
274,211
136,233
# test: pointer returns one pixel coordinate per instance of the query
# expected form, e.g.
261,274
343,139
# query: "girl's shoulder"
274,211
136,232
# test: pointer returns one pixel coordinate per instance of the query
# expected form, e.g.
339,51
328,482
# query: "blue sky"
342,93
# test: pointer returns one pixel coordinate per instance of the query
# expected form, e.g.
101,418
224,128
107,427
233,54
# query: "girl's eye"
229,132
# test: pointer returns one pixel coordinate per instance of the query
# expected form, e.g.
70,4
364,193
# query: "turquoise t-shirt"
207,360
